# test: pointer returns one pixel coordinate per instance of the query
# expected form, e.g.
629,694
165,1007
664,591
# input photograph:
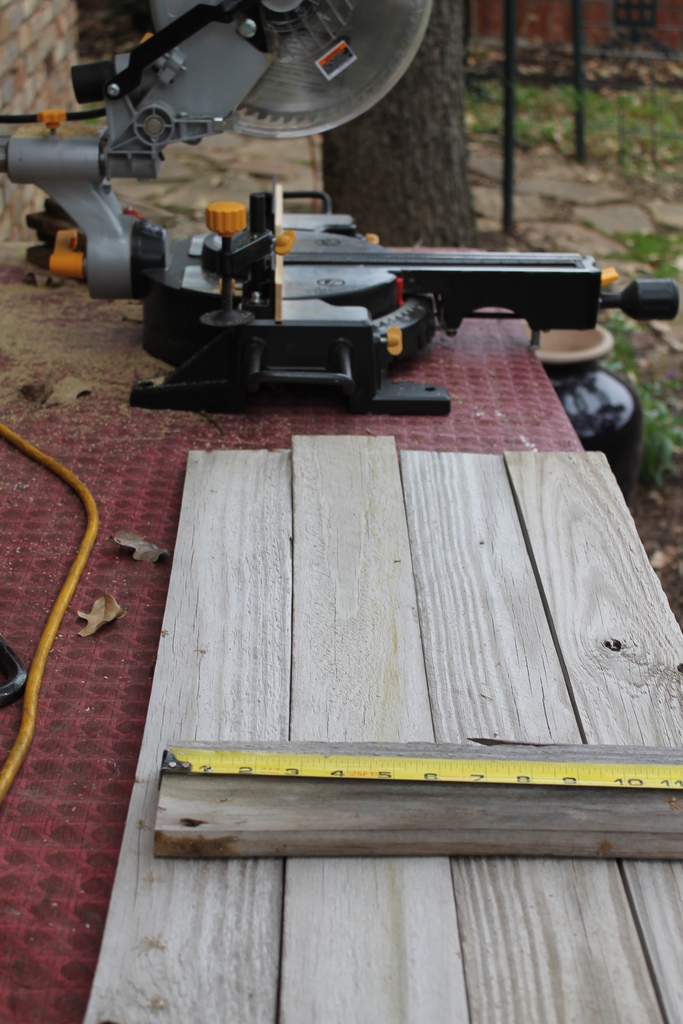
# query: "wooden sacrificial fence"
340,595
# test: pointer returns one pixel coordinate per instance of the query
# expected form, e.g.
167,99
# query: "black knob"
258,213
646,299
89,80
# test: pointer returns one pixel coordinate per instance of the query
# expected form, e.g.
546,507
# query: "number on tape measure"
415,769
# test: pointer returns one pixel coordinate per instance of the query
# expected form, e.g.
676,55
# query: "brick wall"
550,21
38,45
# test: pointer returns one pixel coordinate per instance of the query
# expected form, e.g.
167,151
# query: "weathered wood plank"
371,941
261,816
621,646
620,640
185,942
560,933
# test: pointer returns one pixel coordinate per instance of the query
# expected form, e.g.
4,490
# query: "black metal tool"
14,672
352,311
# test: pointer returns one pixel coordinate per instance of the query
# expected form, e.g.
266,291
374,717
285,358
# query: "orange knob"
395,341
608,275
64,260
226,219
52,118
284,243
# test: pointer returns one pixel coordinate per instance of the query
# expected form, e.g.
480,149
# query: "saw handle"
14,672
646,299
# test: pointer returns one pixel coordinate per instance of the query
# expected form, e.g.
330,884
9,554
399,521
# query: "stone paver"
545,237
668,215
488,203
616,218
488,166
226,166
570,191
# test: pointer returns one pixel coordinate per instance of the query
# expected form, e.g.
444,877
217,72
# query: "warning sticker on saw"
336,60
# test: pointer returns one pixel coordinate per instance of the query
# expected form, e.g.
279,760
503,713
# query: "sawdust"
53,336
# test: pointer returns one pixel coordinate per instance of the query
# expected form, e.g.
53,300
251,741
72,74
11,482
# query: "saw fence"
339,594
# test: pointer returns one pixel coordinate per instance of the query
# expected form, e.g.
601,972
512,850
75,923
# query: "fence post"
509,124
579,82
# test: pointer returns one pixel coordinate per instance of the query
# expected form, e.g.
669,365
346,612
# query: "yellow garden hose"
35,674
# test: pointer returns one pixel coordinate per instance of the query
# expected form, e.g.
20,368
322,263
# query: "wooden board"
205,815
541,941
359,935
278,214
184,943
561,934
621,647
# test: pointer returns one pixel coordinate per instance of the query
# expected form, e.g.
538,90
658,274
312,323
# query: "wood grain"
185,942
621,645
359,935
560,933
202,815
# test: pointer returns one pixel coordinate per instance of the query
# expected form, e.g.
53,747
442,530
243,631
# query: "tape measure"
414,769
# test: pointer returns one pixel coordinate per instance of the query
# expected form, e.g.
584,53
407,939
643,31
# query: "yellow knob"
284,243
372,238
395,341
226,219
609,275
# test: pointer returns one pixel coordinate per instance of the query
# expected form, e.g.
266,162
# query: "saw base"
332,334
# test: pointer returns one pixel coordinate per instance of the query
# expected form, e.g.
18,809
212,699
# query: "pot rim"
603,347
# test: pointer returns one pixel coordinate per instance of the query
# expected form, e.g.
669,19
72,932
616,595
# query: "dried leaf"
32,392
105,609
39,391
143,550
67,390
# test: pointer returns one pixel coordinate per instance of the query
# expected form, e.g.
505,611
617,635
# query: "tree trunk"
401,169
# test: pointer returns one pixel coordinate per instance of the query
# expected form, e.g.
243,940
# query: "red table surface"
62,823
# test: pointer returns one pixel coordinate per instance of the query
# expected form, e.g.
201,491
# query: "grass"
641,128
663,436
658,252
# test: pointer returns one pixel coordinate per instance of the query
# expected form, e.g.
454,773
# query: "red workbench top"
61,825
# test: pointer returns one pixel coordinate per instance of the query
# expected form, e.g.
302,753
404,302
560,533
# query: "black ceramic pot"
606,413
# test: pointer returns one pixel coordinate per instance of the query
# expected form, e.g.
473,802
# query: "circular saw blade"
331,60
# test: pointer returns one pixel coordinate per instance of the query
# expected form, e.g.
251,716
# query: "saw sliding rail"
551,291
337,343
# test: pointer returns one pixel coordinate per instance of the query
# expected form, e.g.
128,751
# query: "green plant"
643,129
663,422
659,252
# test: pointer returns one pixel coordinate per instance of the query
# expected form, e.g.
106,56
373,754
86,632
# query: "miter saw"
265,297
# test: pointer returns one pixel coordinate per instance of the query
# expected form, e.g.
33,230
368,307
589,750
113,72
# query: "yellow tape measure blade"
413,769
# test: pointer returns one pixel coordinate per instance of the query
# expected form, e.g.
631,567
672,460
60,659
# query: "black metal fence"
632,47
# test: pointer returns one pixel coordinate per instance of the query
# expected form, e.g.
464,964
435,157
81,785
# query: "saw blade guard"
329,61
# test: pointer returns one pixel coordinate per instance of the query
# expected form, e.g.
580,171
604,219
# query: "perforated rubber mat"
62,823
